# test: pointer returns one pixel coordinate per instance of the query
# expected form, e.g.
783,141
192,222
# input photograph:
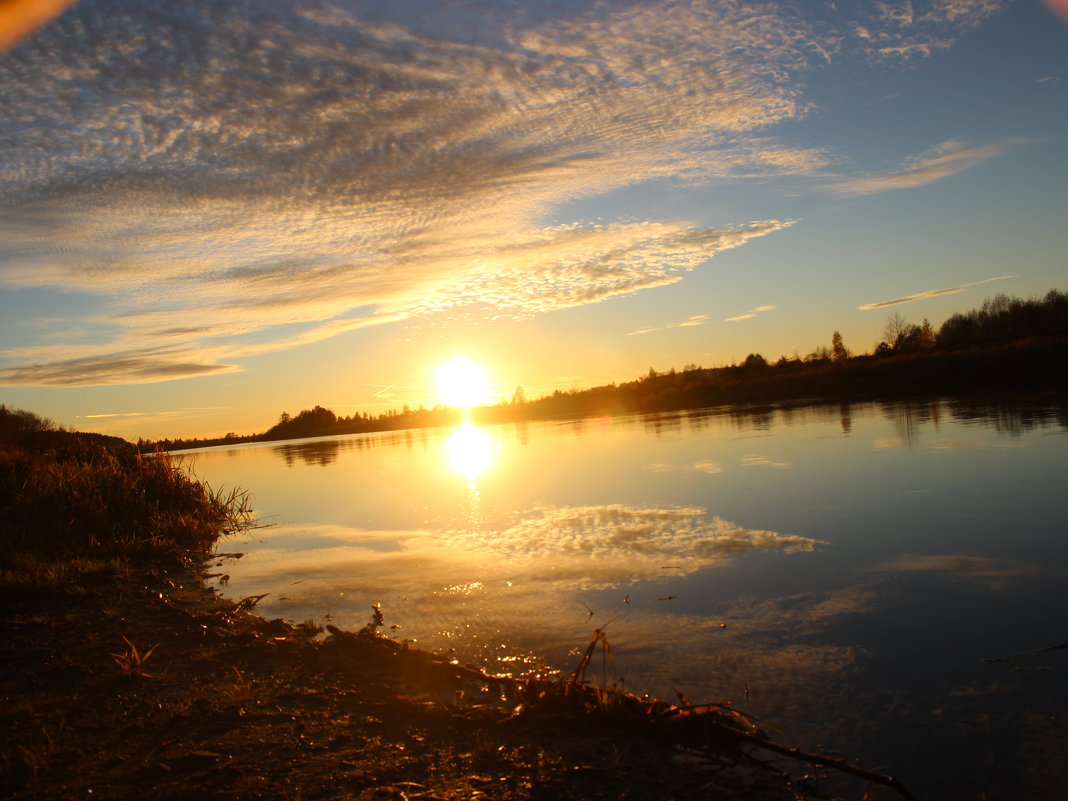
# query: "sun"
462,384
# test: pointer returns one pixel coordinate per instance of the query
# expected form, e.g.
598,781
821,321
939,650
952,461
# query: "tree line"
1007,342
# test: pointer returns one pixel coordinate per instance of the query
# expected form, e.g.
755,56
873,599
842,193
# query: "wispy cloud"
765,461
228,181
133,367
749,315
942,161
697,319
930,293
689,322
701,466
708,466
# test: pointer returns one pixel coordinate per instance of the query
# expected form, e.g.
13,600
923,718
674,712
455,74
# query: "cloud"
575,265
128,367
660,467
942,161
962,565
749,315
764,461
697,319
228,180
689,322
930,293
905,30
707,466
701,466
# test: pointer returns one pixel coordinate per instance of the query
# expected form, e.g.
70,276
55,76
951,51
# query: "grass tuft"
131,662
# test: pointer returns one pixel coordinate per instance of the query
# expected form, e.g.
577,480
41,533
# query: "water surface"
839,571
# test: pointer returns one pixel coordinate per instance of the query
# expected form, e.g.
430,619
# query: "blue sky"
213,212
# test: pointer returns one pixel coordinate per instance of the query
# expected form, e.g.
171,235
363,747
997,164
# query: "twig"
830,762
1014,659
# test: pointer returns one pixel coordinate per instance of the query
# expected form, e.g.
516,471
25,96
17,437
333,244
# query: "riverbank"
125,676
152,687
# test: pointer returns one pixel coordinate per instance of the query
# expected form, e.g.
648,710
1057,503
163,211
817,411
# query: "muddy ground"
152,687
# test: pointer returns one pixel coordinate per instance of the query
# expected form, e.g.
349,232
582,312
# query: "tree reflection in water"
321,453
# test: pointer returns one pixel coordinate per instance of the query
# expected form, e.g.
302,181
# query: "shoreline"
155,685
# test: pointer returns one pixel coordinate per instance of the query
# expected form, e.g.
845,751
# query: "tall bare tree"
896,328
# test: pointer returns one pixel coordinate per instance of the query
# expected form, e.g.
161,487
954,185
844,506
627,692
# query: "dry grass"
80,506
131,662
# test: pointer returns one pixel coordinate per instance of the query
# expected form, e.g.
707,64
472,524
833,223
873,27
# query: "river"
842,572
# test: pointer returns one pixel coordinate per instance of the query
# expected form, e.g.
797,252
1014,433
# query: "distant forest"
1007,344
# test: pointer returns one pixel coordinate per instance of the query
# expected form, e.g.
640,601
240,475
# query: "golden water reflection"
469,452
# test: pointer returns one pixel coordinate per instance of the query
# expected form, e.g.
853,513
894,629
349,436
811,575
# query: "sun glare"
462,384
469,452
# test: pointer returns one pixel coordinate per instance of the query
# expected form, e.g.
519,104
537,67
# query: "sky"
213,212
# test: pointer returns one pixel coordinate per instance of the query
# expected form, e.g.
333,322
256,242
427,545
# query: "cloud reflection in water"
609,545
463,589
569,547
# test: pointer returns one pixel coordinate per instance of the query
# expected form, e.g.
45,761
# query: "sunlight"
461,383
469,452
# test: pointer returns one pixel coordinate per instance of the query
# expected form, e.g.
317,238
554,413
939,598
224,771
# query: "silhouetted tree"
909,339
839,352
927,335
821,353
1003,319
754,361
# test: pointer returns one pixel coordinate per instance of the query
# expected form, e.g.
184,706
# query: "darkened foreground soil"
228,705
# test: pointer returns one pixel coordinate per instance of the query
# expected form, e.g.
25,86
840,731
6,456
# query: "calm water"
840,572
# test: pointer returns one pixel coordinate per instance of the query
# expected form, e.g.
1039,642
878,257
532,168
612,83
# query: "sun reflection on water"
469,452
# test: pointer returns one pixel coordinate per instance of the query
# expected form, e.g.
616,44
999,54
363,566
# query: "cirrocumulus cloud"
229,179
